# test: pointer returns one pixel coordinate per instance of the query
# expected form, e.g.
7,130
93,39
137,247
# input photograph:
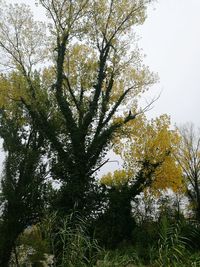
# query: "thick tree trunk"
197,195
198,208
5,252
9,233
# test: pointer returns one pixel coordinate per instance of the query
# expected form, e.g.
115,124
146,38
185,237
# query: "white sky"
170,38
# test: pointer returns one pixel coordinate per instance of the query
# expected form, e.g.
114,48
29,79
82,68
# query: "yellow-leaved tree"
147,148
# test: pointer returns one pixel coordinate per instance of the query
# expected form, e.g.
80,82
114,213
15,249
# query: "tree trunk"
9,234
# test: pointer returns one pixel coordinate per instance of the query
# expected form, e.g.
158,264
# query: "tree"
147,150
188,157
147,144
23,183
93,71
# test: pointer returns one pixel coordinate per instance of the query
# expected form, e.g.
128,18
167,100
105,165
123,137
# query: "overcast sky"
170,38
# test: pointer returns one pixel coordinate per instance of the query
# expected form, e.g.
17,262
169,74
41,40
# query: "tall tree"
93,72
22,188
23,183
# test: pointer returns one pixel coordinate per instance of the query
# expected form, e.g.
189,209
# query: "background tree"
189,159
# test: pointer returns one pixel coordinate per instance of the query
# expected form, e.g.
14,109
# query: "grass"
68,240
